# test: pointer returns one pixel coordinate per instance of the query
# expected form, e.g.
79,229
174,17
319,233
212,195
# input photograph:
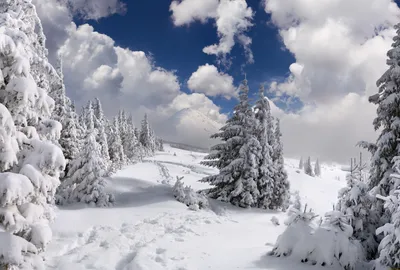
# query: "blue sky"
149,29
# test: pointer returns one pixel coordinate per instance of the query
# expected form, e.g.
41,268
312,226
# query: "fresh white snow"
147,229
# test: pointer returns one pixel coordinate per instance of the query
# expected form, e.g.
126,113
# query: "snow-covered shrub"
188,196
275,221
295,200
330,242
179,189
298,231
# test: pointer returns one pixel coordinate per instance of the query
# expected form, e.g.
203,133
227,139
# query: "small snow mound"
275,221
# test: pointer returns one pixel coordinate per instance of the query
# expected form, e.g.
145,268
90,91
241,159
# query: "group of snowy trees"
43,140
249,158
100,146
308,169
369,209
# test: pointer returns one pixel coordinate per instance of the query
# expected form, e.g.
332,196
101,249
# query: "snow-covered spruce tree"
65,113
267,170
389,247
100,125
146,137
389,255
123,130
137,133
355,203
387,145
153,139
85,179
308,168
30,164
317,168
237,157
116,149
159,144
129,141
281,195
301,163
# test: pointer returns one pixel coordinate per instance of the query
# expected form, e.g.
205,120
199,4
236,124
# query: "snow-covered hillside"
147,229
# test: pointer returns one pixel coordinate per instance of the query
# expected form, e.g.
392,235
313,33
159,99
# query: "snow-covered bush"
298,231
188,196
330,242
275,221
295,200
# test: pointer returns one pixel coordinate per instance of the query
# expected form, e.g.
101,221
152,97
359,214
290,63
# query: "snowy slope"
148,230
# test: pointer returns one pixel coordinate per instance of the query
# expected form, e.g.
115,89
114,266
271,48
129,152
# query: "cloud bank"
339,55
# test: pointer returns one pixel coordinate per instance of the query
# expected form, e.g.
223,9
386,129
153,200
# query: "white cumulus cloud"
340,50
233,18
209,81
187,11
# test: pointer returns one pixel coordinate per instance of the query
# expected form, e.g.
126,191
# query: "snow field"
147,229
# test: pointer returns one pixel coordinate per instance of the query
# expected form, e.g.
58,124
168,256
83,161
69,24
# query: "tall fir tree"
65,113
147,136
237,157
30,163
267,171
308,168
354,200
89,170
281,188
116,149
101,125
317,168
387,145
301,163
130,142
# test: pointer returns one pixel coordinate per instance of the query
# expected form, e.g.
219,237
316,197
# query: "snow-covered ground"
147,229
